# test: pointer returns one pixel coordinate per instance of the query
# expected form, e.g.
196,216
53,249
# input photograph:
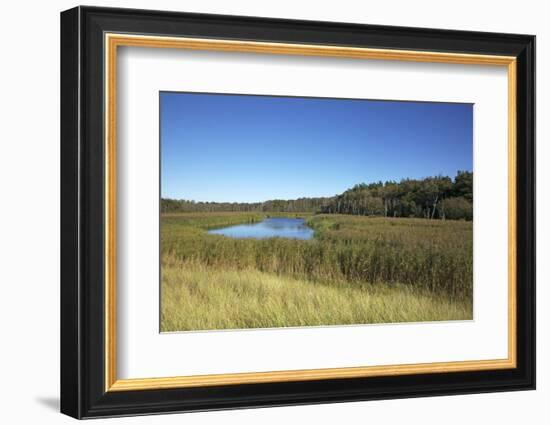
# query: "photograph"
281,211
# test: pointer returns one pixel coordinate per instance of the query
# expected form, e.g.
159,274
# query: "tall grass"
414,262
198,297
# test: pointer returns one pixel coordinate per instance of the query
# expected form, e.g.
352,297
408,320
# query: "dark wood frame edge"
82,202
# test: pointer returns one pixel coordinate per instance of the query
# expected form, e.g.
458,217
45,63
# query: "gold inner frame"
113,41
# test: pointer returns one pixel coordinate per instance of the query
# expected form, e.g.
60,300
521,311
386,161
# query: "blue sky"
241,148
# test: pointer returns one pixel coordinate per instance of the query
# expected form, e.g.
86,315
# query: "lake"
276,227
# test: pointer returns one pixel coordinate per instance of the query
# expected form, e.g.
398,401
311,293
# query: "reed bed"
355,270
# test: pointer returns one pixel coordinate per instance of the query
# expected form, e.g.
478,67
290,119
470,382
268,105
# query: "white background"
29,217
197,353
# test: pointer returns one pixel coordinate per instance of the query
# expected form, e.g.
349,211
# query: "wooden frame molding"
113,40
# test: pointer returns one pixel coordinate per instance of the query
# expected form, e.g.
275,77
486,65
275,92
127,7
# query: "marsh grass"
355,270
198,297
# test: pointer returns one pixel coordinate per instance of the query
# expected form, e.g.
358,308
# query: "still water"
281,227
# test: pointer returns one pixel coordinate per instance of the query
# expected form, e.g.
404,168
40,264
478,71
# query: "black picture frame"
83,392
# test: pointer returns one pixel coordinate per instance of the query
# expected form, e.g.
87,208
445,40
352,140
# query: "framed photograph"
261,212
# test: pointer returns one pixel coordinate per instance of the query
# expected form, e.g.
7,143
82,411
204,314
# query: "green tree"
456,208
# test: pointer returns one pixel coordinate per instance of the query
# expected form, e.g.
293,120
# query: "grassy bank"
355,270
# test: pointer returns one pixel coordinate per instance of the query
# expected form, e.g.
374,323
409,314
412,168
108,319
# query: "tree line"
438,197
275,205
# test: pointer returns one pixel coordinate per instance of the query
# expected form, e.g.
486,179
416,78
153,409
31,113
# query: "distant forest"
438,197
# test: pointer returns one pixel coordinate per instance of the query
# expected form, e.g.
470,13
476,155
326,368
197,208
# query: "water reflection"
281,227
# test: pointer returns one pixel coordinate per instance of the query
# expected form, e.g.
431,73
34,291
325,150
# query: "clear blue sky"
241,148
